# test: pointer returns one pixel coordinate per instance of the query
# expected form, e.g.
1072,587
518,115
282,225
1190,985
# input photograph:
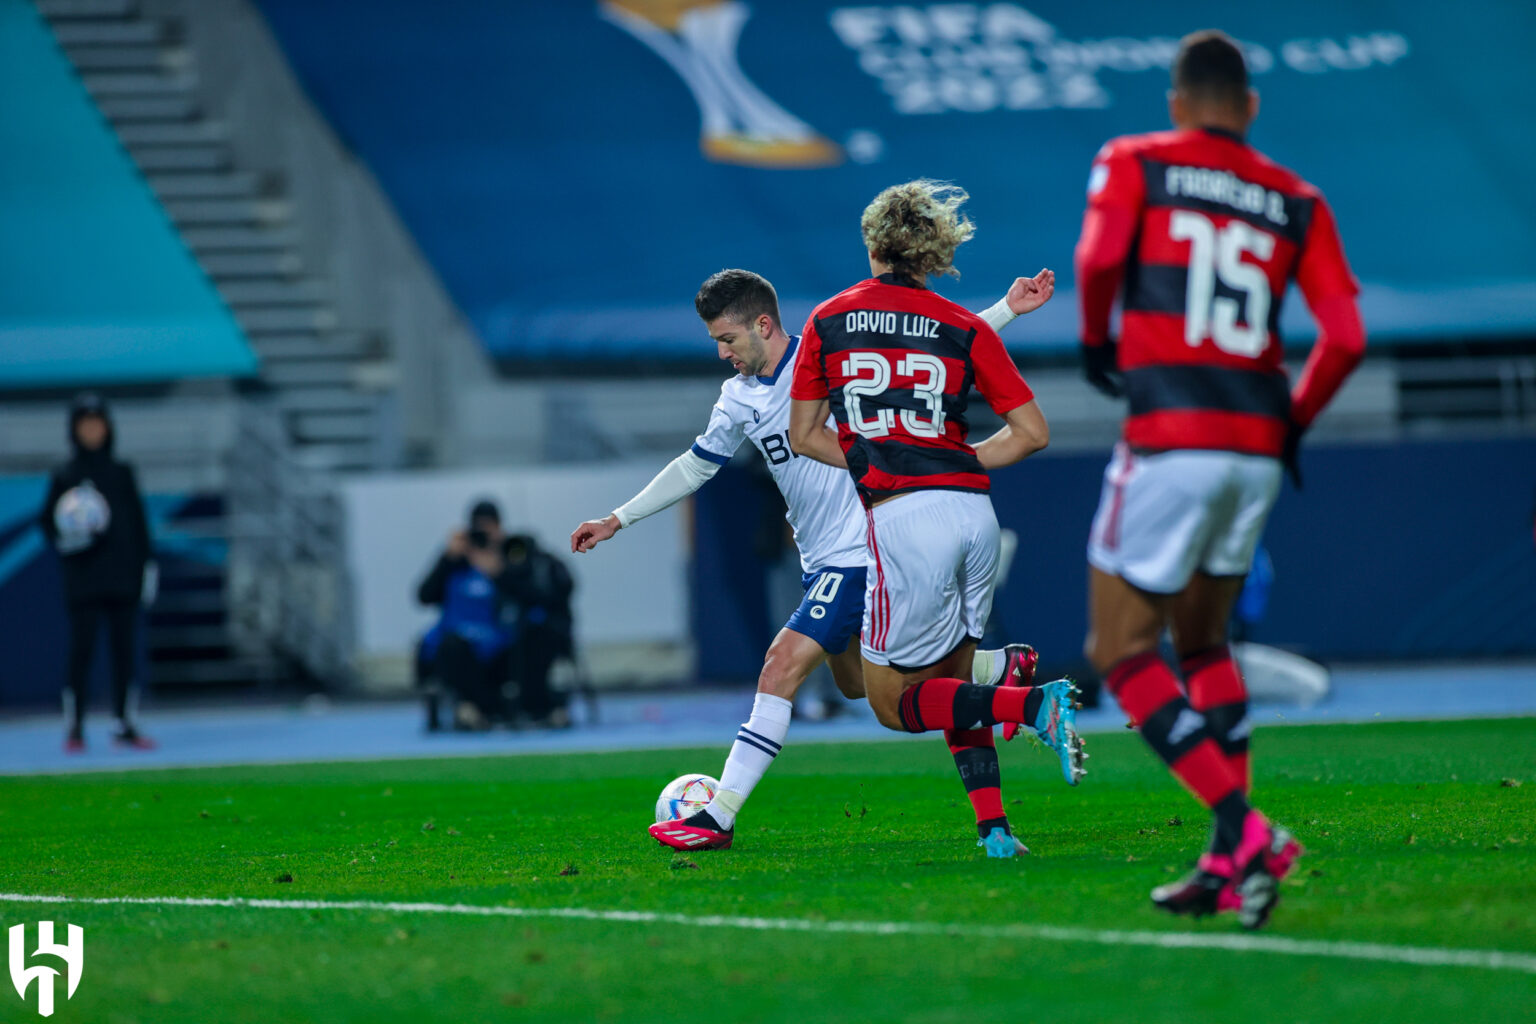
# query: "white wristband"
999,315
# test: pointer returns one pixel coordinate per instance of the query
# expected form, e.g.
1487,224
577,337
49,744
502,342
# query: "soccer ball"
81,513
685,795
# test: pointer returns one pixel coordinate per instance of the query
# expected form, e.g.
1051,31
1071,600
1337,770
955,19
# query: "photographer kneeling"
470,647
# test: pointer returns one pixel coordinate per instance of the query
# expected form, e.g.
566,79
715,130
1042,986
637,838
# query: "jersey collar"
786,360
1225,134
900,282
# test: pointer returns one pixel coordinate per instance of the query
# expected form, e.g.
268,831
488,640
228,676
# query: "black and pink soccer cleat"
696,832
1018,670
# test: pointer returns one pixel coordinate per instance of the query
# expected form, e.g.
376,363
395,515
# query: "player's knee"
778,679
851,687
1092,650
1103,651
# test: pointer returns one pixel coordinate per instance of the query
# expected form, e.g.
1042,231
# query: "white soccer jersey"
824,508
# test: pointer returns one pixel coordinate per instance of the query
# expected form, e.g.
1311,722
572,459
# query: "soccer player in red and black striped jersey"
1201,234
894,362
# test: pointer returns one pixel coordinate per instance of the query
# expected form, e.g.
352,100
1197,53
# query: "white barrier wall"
630,591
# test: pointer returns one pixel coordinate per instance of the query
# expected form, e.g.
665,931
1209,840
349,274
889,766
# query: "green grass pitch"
1418,835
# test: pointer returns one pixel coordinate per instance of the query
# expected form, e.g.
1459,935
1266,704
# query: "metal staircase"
253,585
331,385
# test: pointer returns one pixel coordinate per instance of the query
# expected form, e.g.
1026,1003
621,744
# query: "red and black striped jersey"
897,363
1216,233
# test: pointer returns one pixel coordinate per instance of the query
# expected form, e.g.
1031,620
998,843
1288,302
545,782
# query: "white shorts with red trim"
933,559
1165,515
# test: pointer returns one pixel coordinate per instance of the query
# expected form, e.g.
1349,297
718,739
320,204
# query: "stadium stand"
94,283
1016,114
350,178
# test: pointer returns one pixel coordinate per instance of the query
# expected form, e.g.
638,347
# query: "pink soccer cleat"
1019,670
1266,854
697,832
1218,885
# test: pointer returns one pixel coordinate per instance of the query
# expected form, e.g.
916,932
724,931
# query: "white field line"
1490,959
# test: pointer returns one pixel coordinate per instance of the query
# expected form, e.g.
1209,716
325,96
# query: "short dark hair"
738,294
1210,68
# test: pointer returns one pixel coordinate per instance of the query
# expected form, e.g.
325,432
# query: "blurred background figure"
539,586
1272,675
1253,599
94,518
469,650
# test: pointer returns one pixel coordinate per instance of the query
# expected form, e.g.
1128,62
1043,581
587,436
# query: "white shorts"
933,559
1162,516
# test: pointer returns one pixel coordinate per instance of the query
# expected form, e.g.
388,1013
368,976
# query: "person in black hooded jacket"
107,569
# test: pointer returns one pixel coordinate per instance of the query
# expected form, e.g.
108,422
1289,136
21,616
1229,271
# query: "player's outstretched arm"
809,434
681,477
1026,295
1024,432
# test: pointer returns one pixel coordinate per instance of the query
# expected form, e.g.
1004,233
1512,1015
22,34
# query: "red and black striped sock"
957,704
975,753
1148,692
1217,691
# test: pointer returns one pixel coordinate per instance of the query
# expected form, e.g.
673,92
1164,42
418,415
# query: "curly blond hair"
916,227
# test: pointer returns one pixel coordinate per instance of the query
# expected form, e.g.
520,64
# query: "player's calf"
975,754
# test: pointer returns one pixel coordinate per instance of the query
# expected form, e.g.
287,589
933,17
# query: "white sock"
757,744
988,667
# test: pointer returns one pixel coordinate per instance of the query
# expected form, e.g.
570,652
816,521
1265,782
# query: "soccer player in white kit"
740,311
894,364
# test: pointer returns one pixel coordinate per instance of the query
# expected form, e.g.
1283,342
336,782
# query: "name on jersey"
875,322
1226,188
776,449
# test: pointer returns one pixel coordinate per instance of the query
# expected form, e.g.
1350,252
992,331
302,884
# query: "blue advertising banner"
574,170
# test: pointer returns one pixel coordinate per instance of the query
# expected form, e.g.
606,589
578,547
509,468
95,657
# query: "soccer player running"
741,312
1205,232
894,363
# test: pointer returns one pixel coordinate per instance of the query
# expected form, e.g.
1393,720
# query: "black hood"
89,403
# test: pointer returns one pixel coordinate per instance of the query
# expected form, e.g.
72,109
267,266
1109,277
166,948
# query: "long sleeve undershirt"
681,477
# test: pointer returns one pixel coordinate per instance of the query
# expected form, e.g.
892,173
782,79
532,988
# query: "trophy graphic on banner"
740,124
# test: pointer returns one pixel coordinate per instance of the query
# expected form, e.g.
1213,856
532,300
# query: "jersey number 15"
1217,254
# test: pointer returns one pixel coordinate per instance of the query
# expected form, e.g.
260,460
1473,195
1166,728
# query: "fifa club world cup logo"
71,952
739,123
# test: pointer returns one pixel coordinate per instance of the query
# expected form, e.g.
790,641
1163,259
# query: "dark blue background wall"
550,164
1404,551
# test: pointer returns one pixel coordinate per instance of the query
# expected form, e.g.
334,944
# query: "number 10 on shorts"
823,592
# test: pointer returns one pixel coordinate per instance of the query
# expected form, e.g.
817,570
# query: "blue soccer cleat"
1056,727
999,843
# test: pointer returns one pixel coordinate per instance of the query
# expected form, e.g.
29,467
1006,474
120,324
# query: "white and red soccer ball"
685,795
